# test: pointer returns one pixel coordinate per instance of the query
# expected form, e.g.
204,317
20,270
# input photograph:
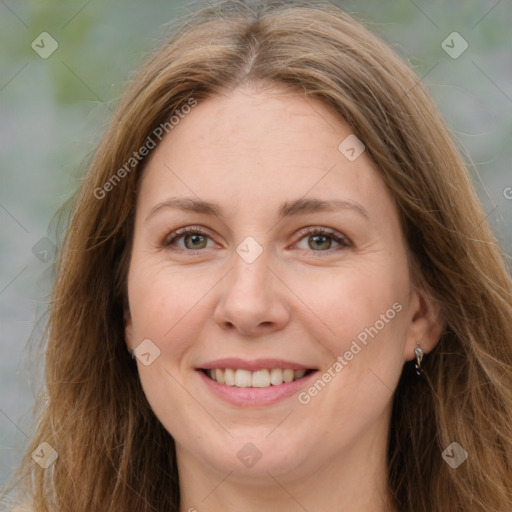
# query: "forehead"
259,146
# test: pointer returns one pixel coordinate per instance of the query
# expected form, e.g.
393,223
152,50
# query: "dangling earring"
419,357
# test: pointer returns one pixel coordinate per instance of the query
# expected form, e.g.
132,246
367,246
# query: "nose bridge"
250,262
250,297
250,277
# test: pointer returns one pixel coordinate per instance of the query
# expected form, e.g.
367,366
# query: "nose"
253,300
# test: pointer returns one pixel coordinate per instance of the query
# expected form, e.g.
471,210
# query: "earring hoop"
418,352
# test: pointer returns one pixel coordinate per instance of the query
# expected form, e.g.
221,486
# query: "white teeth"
219,376
276,376
257,379
261,379
243,379
229,377
288,375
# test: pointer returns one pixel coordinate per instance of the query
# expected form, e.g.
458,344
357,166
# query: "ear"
426,324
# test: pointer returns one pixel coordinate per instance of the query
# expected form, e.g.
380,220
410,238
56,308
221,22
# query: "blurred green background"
53,111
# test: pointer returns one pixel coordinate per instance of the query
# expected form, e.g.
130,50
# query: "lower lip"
255,396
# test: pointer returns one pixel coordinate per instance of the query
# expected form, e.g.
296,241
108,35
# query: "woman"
277,290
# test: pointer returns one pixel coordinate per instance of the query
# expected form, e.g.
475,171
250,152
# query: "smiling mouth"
257,379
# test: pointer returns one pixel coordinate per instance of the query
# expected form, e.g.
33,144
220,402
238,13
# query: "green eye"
321,239
194,239
197,241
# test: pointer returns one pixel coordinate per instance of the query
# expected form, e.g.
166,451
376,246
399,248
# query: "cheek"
166,302
357,303
359,318
164,305
154,303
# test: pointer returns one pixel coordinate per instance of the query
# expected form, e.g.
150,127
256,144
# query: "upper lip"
257,364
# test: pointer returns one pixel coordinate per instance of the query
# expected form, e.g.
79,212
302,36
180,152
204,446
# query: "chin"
256,457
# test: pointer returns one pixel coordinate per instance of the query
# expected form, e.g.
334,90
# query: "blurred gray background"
54,108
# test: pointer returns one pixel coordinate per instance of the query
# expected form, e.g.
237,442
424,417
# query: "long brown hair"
113,454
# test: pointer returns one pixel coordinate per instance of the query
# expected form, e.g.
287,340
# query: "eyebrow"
288,209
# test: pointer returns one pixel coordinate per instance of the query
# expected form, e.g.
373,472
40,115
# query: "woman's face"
293,260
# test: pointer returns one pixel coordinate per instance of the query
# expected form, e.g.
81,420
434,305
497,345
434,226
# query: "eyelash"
179,233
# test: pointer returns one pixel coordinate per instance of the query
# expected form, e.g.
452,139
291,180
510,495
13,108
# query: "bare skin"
304,299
